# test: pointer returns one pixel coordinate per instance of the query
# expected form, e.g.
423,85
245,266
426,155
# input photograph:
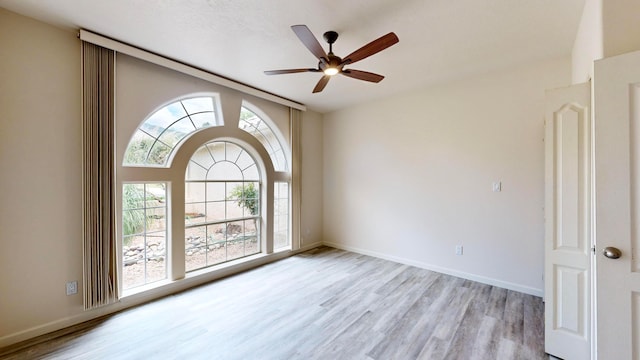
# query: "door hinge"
593,249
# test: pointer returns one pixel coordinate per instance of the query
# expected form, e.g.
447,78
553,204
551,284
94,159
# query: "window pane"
280,240
177,132
235,240
127,242
243,200
156,219
194,192
133,275
260,136
163,119
133,196
194,213
281,231
279,159
216,191
159,154
203,120
224,170
251,237
194,241
138,148
168,126
232,152
251,173
155,253
216,234
133,222
194,236
204,158
217,252
251,123
234,211
144,241
198,105
195,172
251,199
235,190
227,197
155,192
216,211
251,228
216,149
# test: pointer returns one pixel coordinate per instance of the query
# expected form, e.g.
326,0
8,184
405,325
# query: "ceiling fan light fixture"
331,71
330,64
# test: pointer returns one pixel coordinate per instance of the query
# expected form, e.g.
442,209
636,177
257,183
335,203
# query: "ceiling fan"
330,64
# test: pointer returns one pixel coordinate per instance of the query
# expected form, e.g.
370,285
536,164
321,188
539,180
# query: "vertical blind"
296,174
99,244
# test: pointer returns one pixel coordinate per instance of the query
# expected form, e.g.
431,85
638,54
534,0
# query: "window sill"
198,277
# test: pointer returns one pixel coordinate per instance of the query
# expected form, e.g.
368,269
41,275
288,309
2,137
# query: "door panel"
617,166
568,222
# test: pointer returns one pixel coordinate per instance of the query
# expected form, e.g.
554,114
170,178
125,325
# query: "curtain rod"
130,50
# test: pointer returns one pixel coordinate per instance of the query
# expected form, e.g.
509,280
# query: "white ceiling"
440,40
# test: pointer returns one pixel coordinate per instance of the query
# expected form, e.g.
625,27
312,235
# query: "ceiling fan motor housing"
331,37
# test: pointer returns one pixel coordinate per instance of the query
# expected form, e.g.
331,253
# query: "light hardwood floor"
322,304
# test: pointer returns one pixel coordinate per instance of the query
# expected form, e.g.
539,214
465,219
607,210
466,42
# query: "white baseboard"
309,246
461,274
52,326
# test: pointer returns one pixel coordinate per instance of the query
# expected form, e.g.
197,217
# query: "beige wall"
410,177
607,28
621,27
587,46
40,180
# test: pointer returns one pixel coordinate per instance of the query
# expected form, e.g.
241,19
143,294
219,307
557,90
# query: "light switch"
497,186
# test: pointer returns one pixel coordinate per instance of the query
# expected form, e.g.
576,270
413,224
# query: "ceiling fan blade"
321,84
362,75
306,36
289,71
371,48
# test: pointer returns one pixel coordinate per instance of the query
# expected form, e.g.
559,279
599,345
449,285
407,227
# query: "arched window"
260,129
155,140
222,205
184,154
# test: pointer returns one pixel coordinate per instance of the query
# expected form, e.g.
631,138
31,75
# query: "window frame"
256,218
155,139
144,234
174,176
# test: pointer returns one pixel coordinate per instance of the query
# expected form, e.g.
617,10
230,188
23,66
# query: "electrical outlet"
72,287
458,249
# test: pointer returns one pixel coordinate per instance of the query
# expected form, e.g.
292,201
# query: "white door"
617,212
568,222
